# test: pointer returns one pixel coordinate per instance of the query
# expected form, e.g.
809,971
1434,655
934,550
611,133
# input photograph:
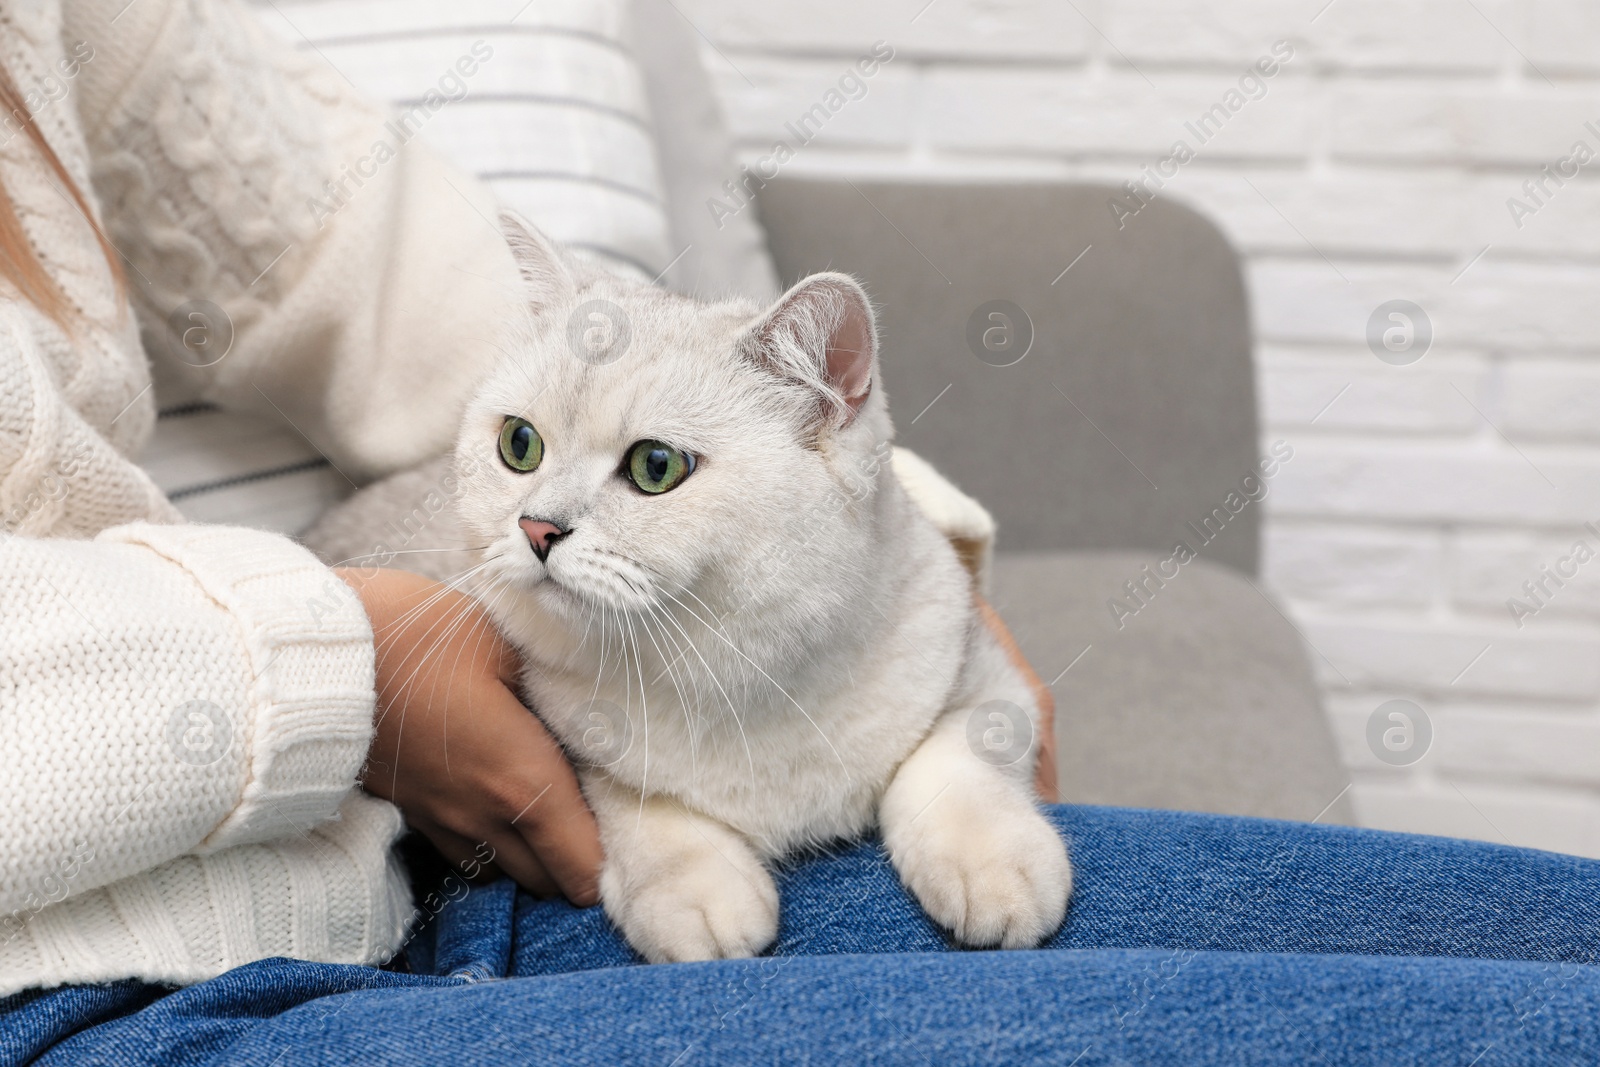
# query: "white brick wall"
1384,154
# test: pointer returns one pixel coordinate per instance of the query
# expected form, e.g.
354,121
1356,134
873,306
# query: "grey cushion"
1201,700
1139,375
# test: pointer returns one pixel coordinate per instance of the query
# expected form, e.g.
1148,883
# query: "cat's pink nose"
541,535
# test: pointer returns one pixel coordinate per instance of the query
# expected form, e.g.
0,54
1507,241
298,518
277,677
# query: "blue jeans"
1191,938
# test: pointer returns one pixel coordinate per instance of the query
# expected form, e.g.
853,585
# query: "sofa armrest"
1196,695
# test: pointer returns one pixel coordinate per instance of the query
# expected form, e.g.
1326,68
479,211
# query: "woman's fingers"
495,853
512,855
474,859
455,748
539,796
566,838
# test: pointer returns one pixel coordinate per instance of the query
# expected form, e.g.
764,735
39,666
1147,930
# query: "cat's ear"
544,275
821,332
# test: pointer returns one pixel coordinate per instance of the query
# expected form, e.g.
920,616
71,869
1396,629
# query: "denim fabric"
1191,938
1161,879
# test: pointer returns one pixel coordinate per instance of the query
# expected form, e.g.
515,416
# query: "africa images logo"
451,87
1142,589
1252,86
850,86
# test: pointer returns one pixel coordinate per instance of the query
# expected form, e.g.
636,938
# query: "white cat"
745,633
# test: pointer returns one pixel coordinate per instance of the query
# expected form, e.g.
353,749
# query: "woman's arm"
171,690
364,282
167,690
163,689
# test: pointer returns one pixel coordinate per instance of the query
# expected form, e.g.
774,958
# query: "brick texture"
1399,154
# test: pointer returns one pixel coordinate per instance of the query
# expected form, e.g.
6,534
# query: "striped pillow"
553,114
548,106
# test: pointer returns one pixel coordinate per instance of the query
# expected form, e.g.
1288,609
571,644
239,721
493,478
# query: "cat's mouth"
552,588
583,584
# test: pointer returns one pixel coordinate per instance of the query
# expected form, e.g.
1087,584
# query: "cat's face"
705,457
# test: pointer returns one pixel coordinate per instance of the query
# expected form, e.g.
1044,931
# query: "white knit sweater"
184,709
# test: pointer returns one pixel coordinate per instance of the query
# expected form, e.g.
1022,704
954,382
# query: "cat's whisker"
391,552
452,585
399,626
644,717
663,614
447,627
428,551
468,584
605,642
709,610
667,663
624,663
740,652
711,673
443,627
588,621
459,617
456,613
600,668
685,647
482,635
602,565
719,627
615,618
749,756
683,700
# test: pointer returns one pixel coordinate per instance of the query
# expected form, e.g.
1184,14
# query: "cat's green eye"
520,444
656,467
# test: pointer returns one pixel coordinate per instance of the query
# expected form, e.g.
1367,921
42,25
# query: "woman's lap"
1161,879
1087,1007
1164,908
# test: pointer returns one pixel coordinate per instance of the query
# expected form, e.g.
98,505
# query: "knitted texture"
185,712
211,147
184,709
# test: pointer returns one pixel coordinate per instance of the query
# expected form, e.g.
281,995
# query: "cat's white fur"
788,645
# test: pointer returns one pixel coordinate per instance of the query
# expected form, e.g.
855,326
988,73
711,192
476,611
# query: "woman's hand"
1044,775
456,750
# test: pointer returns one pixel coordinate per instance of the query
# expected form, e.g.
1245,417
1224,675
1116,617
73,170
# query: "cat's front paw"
703,905
985,865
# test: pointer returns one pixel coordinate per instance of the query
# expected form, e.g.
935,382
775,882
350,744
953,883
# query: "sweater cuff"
308,645
964,522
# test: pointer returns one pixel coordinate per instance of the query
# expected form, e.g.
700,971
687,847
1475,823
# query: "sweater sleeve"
358,273
175,689
164,689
